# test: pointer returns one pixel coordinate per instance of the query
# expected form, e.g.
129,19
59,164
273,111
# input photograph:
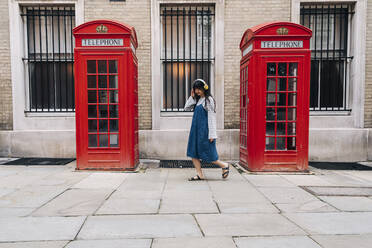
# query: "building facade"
180,40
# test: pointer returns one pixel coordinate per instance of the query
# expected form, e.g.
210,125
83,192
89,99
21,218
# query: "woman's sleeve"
211,119
190,103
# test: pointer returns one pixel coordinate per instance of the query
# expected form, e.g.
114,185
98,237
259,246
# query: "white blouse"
189,105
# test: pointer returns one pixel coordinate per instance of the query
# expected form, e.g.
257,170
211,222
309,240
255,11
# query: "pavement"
56,206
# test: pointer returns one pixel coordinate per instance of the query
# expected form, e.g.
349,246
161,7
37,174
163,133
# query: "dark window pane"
270,99
291,143
281,99
91,66
292,70
113,81
281,114
270,114
103,111
292,84
114,125
291,128
103,140
282,69
103,125
102,81
280,128
292,114
114,97
292,99
113,66
92,111
282,84
92,140
92,96
271,84
331,87
114,111
270,128
102,66
280,143
270,143
314,84
92,125
92,82
102,96
271,69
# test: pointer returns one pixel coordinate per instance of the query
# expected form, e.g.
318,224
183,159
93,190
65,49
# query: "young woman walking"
203,134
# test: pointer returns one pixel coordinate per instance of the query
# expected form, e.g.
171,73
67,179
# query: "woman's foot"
196,178
225,171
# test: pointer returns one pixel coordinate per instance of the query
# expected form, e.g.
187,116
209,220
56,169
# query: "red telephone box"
274,97
106,96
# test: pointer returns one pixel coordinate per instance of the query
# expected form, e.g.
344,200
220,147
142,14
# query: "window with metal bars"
49,58
187,51
329,84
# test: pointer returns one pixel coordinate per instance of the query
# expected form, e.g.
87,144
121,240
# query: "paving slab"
287,195
65,178
39,228
31,196
188,205
268,181
276,242
244,207
101,181
114,243
129,206
341,191
349,203
192,242
74,202
333,223
15,212
313,206
308,180
6,191
246,225
139,226
44,244
137,194
344,241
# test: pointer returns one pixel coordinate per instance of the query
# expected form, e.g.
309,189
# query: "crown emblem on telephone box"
101,29
282,31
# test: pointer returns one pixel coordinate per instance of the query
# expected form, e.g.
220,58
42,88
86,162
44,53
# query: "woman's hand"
211,140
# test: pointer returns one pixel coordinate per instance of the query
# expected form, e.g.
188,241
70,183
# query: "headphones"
205,84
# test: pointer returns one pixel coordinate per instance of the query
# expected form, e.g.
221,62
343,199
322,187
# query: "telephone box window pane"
271,69
291,128
102,66
291,143
114,126
103,140
281,99
114,111
270,143
271,84
280,128
292,99
292,84
114,96
103,111
92,96
291,114
282,84
280,143
282,69
114,141
113,66
92,82
92,140
92,125
91,66
102,96
113,81
270,128
292,71
270,114
102,81
103,125
92,111
281,114
270,100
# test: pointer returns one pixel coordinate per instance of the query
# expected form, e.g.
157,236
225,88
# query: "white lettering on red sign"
282,44
102,42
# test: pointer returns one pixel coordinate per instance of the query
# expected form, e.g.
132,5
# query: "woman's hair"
202,85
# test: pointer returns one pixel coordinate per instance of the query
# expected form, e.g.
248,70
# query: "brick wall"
240,15
135,13
368,81
6,117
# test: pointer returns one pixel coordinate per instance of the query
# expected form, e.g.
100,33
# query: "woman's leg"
220,163
197,166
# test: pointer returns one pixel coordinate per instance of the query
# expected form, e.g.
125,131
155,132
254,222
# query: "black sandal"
225,171
196,178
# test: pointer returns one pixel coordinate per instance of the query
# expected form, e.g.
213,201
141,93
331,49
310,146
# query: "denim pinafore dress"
199,145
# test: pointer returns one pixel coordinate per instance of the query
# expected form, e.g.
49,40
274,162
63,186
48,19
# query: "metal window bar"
49,57
187,51
330,58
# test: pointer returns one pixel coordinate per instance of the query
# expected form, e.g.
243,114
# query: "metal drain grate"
340,166
184,164
40,161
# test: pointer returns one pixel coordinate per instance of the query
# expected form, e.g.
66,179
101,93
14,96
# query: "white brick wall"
368,86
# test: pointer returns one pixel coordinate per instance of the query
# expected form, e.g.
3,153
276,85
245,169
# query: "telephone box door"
100,138
286,118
